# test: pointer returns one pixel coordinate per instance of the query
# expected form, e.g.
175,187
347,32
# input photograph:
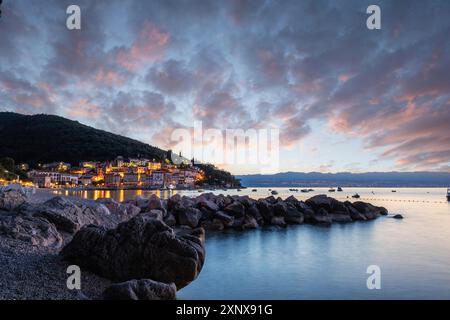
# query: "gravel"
31,273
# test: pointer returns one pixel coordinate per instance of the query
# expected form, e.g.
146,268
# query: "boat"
448,194
356,196
304,190
393,190
274,192
254,190
339,189
201,190
310,190
239,190
331,190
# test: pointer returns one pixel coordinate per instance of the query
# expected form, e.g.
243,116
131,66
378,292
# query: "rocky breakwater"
126,244
147,248
219,212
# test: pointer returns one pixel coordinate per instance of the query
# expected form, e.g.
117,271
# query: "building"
67,179
157,178
86,180
138,162
57,166
112,180
56,178
119,162
42,181
154,166
130,179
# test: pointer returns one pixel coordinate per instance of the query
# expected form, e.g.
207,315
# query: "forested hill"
47,138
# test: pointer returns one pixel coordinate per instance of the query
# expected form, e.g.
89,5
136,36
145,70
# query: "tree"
7,163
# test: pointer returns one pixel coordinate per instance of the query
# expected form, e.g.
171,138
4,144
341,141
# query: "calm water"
311,262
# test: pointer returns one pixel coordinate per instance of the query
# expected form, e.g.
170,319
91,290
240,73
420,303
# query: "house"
55,177
86,180
67,179
112,180
57,166
130,179
42,181
157,178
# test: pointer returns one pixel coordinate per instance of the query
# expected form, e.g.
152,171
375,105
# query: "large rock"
354,214
254,212
63,213
278,221
189,217
170,220
122,211
340,217
320,217
235,209
214,225
226,219
265,209
324,202
34,230
280,208
293,215
368,210
208,205
12,198
144,289
173,202
69,217
249,222
141,202
155,203
142,248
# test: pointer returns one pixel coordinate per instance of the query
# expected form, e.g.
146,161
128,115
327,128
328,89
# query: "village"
116,174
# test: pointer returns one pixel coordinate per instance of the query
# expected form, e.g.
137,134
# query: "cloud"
172,77
142,68
149,46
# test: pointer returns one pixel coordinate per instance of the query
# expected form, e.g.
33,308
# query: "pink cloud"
149,46
109,77
84,109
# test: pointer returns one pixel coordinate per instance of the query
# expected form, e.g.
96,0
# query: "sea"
411,256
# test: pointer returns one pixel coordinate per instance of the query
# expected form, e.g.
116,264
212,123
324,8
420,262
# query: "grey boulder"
144,289
142,248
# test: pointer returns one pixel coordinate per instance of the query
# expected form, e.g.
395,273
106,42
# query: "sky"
343,97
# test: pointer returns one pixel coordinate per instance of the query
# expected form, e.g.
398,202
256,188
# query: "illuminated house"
130,179
86,180
157,178
119,162
56,178
56,166
113,180
154,166
42,181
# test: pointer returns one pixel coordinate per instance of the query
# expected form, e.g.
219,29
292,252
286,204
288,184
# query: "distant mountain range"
347,179
46,138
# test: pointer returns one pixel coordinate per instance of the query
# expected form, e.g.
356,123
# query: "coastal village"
118,173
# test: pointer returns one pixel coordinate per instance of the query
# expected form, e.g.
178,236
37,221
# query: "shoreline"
53,233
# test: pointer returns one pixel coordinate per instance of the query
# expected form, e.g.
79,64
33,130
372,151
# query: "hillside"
47,138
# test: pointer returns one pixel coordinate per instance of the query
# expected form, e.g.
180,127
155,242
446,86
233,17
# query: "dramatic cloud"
310,68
